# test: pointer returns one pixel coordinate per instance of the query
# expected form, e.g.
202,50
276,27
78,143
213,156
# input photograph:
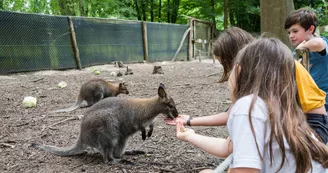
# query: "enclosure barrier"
32,42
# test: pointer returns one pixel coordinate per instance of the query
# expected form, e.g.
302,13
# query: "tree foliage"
241,13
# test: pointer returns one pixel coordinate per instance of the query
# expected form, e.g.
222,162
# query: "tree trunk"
168,12
137,9
176,4
143,5
225,15
159,11
152,10
273,16
66,7
81,8
213,12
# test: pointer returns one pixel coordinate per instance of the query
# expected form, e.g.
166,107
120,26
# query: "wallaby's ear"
161,91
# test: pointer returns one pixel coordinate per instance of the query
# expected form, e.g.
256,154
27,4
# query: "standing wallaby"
109,124
94,90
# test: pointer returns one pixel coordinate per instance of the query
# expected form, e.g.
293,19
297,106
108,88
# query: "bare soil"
190,84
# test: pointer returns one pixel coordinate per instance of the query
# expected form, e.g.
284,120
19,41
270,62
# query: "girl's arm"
243,170
216,146
219,119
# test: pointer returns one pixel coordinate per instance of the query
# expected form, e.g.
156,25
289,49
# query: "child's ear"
311,29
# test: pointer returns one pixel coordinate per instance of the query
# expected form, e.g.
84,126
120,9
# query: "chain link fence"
32,42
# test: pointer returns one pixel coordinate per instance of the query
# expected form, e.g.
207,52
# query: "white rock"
113,73
62,84
29,102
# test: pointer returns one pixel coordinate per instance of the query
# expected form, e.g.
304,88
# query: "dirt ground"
191,84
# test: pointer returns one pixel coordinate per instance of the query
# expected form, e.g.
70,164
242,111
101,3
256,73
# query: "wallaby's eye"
170,106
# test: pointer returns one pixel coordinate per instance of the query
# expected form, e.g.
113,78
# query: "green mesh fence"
103,40
164,40
30,42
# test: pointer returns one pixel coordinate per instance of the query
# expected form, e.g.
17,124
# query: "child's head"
301,25
264,67
226,47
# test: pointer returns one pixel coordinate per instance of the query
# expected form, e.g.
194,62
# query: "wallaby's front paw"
143,136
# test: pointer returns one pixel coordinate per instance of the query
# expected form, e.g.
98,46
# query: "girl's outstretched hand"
172,122
182,132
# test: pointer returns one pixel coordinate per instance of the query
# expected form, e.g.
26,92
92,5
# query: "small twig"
214,74
157,163
166,170
36,80
23,124
160,139
59,115
68,119
7,145
195,169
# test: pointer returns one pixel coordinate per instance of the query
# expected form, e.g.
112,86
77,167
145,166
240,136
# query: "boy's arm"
315,44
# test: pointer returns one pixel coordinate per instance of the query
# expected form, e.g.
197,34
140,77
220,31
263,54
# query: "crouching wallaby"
108,125
94,90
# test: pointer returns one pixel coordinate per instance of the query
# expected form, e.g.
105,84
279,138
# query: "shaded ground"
190,84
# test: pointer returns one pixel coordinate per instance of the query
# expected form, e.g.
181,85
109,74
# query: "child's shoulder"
324,38
242,105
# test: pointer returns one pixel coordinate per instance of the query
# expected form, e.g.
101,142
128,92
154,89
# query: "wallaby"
94,90
108,124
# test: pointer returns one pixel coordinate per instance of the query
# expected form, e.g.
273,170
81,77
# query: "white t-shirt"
245,153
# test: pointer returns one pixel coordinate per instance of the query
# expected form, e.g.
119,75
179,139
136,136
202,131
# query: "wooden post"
194,38
145,40
74,43
211,43
190,40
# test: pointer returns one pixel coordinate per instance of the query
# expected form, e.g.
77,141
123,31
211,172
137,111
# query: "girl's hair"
304,17
227,46
267,71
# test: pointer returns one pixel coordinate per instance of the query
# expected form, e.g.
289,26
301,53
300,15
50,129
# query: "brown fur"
94,90
108,124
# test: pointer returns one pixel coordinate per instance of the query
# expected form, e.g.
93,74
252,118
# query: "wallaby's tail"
75,149
73,107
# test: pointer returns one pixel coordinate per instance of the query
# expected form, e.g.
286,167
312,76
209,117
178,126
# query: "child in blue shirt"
301,25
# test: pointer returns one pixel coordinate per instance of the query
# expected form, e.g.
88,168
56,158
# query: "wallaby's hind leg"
106,148
150,132
96,98
120,147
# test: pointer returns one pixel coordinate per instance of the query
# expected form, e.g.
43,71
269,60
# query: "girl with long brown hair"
267,127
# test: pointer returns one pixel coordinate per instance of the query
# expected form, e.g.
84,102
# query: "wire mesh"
164,40
105,40
31,42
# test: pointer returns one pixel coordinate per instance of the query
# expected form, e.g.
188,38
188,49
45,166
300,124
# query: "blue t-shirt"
319,70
